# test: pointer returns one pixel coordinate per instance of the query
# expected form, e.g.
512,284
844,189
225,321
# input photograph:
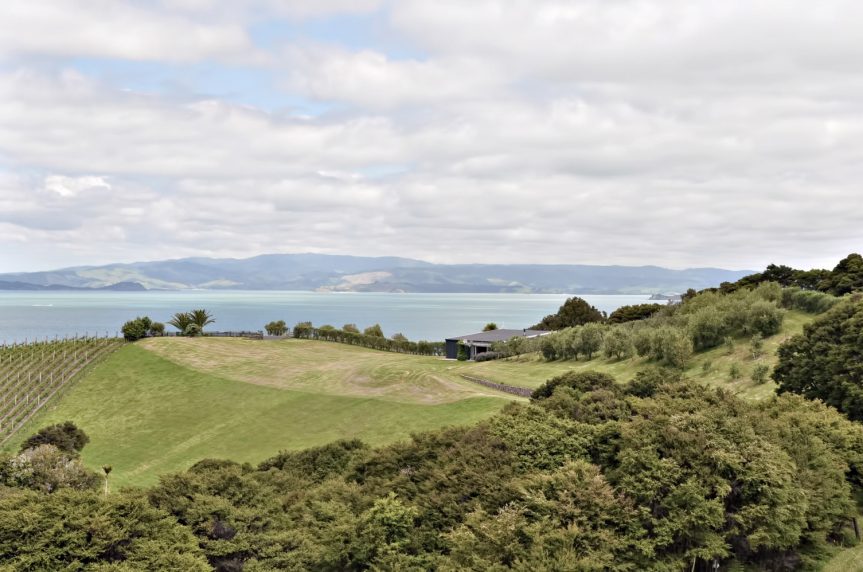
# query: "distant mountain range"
365,274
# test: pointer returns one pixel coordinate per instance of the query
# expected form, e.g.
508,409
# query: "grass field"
147,415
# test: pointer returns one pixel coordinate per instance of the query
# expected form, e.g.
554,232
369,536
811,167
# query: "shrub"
136,329
810,301
580,381
303,330
756,346
707,328
192,330
488,356
66,436
764,318
157,329
375,331
462,352
734,371
760,373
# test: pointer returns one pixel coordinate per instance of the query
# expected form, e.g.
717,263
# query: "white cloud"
633,131
72,186
373,81
108,29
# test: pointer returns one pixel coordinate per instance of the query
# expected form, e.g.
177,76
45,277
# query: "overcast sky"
670,132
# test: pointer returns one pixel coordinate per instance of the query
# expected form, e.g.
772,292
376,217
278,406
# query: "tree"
303,330
846,277
201,318
374,331
574,312
66,436
489,327
760,373
157,329
181,321
633,313
590,340
617,343
826,361
399,337
707,328
136,329
276,328
756,346
351,329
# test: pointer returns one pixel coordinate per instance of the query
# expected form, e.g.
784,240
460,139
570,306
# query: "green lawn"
146,416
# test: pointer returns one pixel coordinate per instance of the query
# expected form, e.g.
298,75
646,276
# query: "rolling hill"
369,274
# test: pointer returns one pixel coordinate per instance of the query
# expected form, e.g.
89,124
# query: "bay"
40,315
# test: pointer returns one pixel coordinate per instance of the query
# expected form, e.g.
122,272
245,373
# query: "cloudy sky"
670,132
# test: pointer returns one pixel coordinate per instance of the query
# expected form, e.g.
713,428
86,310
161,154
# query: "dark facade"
482,341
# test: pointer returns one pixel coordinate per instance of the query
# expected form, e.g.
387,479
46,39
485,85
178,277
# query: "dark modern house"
481,342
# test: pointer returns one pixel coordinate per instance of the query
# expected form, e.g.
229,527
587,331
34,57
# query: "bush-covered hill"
659,473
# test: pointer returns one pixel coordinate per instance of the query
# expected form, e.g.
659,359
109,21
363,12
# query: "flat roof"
499,335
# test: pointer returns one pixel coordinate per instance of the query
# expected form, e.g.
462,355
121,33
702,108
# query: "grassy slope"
147,415
847,560
182,400
323,367
532,370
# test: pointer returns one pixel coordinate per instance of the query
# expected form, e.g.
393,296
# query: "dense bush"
488,356
633,313
134,330
66,436
808,301
826,361
656,474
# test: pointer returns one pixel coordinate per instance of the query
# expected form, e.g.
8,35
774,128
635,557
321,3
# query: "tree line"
371,337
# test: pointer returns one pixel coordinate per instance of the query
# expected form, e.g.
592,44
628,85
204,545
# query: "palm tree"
201,318
181,321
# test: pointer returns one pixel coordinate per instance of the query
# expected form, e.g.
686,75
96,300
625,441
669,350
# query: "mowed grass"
147,415
323,367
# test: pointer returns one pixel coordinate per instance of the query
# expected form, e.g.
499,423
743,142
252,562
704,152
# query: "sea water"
41,315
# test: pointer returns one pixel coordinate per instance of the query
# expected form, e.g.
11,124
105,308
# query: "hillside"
181,400
148,415
711,367
367,274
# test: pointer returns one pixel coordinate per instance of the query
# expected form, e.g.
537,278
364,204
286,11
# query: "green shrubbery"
826,361
374,339
134,330
658,473
671,334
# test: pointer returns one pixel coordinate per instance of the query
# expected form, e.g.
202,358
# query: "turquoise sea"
40,315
